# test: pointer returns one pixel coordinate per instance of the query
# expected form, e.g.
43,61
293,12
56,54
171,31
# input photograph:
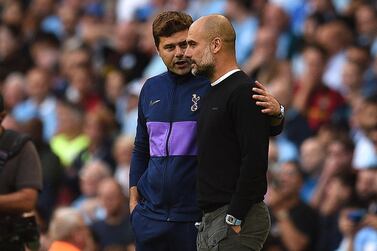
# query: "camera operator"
20,182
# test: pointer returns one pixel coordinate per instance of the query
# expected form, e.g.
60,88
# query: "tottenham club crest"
195,99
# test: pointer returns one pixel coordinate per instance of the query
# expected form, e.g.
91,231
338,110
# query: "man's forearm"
21,201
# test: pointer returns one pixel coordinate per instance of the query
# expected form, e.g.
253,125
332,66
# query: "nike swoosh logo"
154,102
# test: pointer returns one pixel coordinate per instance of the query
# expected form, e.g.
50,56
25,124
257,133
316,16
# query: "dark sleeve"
252,129
29,172
140,155
276,130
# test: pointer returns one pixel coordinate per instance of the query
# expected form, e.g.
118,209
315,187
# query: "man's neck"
221,71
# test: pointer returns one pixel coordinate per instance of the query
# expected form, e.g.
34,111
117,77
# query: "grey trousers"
215,235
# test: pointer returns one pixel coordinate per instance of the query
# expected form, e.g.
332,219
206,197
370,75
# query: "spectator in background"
45,52
366,26
130,112
69,139
340,191
352,81
12,14
13,56
267,68
122,151
82,88
125,54
74,55
99,128
40,103
245,25
365,155
314,102
13,90
68,232
90,177
114,96
276,18
294,223
115,230
312,154
338,161
334,37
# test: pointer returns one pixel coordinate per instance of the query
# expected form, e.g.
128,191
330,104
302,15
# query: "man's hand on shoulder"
270,105
264,99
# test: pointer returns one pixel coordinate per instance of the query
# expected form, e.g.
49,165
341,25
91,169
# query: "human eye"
169,47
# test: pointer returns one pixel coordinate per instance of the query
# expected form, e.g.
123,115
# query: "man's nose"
188,52
179,52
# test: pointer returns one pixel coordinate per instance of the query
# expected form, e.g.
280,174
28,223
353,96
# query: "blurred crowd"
71,72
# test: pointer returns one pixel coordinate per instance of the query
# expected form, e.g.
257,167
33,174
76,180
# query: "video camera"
18,229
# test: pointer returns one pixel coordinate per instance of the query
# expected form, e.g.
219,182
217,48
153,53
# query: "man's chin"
182,71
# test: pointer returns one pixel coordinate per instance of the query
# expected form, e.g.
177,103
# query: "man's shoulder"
238,82
156,78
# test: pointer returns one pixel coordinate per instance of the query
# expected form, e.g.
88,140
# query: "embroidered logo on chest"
195,99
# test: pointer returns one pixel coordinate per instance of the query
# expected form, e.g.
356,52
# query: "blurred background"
71,72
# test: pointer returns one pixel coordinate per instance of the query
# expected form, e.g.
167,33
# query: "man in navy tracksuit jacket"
163,168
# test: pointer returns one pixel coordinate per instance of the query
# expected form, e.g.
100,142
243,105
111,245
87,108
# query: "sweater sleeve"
252,129
140,155
276,130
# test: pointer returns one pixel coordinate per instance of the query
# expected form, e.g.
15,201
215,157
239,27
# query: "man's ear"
216,44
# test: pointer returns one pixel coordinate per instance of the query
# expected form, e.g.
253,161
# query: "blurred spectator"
340,192
12,14
115,230
245,26
98,127
13,90
312,154
40,103
82,88
69,139
90,177
294,223
366,145
352,81
338,161
114,96
264,66
334,37
124,53
366,27
13,55
312,99
129,122
73,55
68,231
275,18
122,151
45,52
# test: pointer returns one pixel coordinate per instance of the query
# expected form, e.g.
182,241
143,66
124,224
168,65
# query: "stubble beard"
206,67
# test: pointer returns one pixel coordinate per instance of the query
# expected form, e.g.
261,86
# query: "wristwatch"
231,220
281,114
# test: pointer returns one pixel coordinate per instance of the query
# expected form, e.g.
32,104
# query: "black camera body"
18,229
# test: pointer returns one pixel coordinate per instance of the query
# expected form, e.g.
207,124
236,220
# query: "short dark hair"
169,22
